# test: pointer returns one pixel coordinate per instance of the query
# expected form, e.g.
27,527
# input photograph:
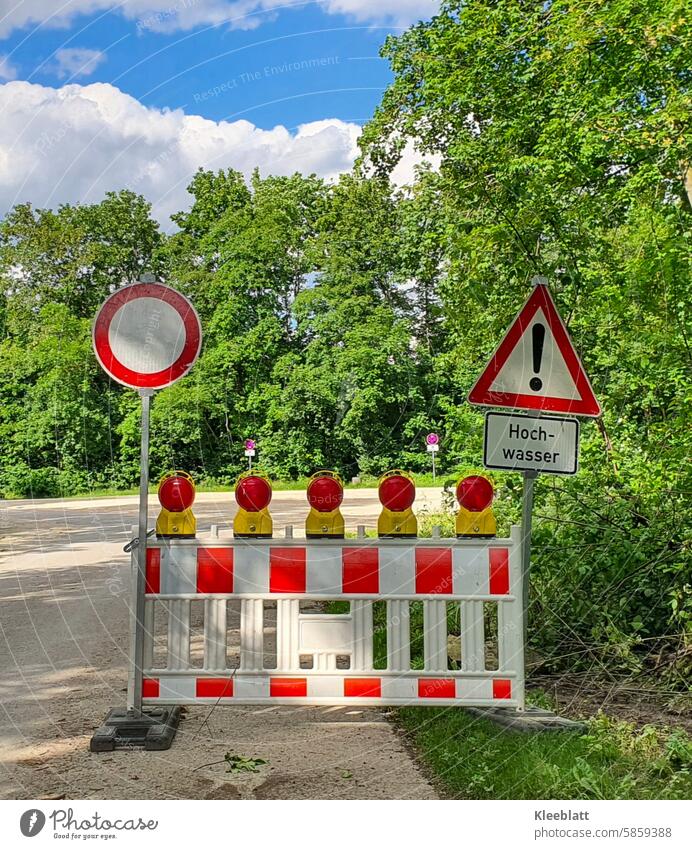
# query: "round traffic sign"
147,336
432,439
250,445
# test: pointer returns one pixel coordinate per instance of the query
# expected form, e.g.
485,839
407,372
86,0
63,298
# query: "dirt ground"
632,701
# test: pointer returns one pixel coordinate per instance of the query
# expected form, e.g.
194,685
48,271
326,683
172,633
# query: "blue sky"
98,95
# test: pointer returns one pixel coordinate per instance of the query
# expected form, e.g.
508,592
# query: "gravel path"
63,659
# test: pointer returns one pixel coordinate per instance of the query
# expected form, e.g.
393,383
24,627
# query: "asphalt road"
64,603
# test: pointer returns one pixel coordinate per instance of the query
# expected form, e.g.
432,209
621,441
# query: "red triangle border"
480,394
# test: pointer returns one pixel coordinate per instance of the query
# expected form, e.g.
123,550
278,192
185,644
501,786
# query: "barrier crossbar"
245,622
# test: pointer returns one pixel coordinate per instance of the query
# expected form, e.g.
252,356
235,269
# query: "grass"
366,482
475,759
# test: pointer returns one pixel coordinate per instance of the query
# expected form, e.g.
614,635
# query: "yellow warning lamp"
253,492
475,517
176,496
397,491
325,494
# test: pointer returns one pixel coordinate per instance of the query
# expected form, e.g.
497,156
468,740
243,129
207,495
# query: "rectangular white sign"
531,443
433,449
250,452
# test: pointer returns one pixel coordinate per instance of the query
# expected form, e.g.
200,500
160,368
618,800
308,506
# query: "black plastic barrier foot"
531,719
153,729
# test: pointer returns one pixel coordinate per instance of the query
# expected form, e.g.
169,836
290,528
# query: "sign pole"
433,459
135,694
526,526
137,336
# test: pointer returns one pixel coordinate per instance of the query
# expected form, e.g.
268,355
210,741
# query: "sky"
97,95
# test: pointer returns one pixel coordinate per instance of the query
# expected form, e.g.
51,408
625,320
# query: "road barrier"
248,622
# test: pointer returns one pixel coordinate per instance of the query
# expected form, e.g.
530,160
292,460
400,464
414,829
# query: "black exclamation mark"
538,334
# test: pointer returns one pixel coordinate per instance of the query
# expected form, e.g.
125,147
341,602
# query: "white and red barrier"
472,573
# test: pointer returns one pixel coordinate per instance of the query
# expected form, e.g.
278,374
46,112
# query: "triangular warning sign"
535,366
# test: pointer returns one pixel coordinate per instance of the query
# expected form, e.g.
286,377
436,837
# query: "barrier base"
153,729
531,719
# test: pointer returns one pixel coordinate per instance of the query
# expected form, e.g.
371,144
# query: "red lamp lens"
475,493
253,494
176,494
397,493
325,494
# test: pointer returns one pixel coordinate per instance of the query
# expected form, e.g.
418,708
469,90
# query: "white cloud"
77,62
397,12
7,69
169,15
74,143
404,172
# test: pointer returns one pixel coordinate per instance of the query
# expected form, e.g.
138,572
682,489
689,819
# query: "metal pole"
433,458
137,647
526,523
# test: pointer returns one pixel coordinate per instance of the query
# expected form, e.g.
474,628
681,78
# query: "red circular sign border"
119,372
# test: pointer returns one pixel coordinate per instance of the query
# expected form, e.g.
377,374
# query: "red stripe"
287,570
360,571
214,570
434,571
436,688
499,571
363,688
153,571
294,687
214,688
502,689
150,688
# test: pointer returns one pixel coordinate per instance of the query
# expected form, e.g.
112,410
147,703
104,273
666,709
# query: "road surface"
64,600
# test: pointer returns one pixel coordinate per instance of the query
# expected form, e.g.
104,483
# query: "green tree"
561,132
241,254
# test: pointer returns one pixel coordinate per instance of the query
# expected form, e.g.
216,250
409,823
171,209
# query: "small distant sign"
250,445
433,449
432,439
531,443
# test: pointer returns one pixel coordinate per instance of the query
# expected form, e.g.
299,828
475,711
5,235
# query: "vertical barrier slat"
287,634
513,620
214,634
148,659
131,673
435,635
398,636
504,625
324,661
361,615
178,634
251,635
472,636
